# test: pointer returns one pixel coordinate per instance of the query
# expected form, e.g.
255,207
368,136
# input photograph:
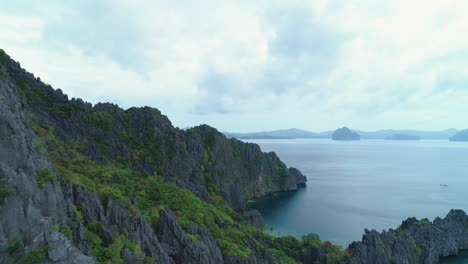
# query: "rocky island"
402,137
460,136
82,183
345,134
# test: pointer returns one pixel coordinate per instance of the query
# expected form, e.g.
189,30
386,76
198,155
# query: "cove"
373,184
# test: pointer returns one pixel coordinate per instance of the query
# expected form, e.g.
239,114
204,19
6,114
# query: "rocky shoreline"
415,241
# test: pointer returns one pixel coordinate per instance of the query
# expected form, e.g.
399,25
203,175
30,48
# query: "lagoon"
372,184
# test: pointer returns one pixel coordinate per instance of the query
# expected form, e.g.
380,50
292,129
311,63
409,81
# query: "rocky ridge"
414,242
52,213
65,166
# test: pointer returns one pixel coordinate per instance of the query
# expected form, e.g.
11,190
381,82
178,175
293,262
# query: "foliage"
312,239
35,255
335,253
64,229
192,237
119,179
38,145
100,120
78,213
424,222
44,175
4,190
3,56
18,256
112,253
282,258
14,245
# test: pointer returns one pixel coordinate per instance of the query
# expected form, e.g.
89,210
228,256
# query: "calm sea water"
372,184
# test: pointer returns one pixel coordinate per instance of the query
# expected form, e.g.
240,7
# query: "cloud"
243,65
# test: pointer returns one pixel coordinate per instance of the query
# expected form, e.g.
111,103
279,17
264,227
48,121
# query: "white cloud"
239,65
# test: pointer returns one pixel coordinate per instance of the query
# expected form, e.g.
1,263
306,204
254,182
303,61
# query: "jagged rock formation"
66,166
414,242
255,218
300,178
345,134
402,137
460,136
99,184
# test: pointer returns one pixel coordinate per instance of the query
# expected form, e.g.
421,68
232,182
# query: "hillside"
99,184
86,184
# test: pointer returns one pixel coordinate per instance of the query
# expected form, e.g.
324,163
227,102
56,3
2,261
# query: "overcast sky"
254,65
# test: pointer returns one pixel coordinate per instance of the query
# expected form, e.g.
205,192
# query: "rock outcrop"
47,218
414,242
301,179
345,134
56,207
255,218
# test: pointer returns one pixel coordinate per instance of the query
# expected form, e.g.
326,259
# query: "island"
402,137
460,136
345,134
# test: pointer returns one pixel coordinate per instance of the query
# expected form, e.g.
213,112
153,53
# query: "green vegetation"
64,229
418,249
15,245
78,213
45,175
335,253
119,178
38,145
424,222
101,120
382,245
112,253
282,172
4,190
192,237
3,56
18,256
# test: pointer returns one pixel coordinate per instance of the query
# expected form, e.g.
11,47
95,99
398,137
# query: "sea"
373,184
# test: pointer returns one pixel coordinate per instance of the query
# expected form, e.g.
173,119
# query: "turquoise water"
372,184
462,258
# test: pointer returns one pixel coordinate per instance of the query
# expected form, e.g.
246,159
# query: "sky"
244,66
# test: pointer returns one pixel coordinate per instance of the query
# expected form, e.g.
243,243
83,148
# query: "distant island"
345,134
379,134
460,136
264,137
277,134
402,137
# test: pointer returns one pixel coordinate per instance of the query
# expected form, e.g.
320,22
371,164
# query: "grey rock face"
29,212
345,134
301,179
192,159
315,256
182,249
255,218
240,171
414,242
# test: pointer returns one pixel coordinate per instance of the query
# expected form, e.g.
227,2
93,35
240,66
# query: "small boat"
444,185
